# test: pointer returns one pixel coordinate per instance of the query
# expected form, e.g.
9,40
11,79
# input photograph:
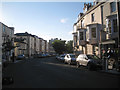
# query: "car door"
84,60
67,58
80,59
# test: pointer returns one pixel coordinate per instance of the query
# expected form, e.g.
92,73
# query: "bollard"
106,64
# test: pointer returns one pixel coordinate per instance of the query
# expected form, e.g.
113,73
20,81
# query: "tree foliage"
60,46
69,47
7,46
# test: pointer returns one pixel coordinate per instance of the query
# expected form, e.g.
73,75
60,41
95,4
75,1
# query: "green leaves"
60,46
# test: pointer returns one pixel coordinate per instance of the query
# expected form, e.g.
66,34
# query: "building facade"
96,29
20,44
30,45
51,49
7,42
27,47
36,44
87,30
0,44
43,46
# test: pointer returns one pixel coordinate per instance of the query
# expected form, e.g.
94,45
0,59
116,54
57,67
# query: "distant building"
51,49
40,45
43,46
7,41
36,44
47,47
29,43
20,44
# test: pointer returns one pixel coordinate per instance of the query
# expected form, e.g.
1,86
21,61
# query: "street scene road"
51,73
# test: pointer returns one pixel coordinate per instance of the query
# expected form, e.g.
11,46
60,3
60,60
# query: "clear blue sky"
44,19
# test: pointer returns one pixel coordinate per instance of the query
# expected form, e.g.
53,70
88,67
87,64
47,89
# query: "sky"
44,19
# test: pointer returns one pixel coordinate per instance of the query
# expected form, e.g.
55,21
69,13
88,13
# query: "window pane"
92,17
115,25
113,6
81,35
3,28
109,26
93,31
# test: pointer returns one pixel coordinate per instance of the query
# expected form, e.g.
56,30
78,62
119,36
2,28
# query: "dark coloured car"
20,57
61,57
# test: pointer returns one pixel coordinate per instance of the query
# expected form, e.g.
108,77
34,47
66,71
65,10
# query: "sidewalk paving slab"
113,72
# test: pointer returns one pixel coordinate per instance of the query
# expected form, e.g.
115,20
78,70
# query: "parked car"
35,55
61,57
70,59
39,55
48,55
58,57
21,56
90,61
44,55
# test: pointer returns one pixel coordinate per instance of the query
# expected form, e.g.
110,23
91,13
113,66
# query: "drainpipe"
118,24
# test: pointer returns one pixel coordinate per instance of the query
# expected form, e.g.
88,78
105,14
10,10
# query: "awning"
108,42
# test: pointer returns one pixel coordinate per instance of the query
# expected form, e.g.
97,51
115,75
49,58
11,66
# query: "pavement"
114,72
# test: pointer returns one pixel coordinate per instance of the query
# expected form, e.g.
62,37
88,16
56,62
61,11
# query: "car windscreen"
63,56
20,55
92,57
72,56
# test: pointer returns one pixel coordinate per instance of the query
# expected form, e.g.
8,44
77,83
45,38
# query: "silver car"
90,61
61,57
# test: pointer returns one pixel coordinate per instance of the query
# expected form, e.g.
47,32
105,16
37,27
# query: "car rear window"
73,56
92,57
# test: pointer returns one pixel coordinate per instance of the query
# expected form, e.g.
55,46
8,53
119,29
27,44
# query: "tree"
69,47
59,46
8,46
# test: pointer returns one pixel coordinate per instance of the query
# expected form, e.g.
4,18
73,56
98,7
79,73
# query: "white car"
91,61
70,59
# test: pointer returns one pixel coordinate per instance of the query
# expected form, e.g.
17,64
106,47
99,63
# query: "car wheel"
77,64
64,61
69,62
89,66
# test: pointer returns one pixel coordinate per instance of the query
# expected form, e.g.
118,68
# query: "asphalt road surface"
51,73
